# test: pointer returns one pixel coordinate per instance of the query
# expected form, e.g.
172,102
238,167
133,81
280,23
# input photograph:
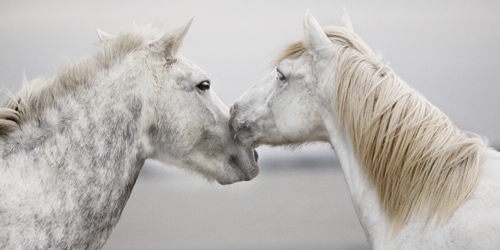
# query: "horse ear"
345,20
170,43
103,36
314,35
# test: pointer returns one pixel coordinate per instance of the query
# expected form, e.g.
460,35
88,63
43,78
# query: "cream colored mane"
41,92
418,161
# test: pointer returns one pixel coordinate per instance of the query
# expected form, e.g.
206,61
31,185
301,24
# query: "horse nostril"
233,161
255,155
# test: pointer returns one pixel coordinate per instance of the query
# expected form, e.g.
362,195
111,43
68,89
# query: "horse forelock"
418,161
41,92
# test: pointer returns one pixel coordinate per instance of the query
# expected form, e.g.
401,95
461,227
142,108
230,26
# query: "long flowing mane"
41,92
418,161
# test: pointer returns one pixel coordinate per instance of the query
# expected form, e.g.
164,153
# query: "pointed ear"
345,20
170,43
103,36
314,36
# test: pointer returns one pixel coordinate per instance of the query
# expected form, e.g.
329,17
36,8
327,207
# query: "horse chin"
237,175
228,180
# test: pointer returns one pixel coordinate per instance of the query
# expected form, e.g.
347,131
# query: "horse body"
72,146
416,181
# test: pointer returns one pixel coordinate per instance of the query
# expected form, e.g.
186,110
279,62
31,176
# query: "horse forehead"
301,64
188,70
314,65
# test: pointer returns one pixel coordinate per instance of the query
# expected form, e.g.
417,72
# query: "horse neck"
363,195
112,110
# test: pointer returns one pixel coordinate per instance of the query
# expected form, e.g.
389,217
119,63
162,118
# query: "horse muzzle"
243,169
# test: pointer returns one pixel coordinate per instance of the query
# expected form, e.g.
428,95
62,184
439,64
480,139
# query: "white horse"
72,146
416,181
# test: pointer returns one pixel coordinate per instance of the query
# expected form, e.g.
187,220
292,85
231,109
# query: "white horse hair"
417,182
72,146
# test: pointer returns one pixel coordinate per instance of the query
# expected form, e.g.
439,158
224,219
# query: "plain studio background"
447,50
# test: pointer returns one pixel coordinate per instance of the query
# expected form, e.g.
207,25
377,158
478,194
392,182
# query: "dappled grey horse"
72,146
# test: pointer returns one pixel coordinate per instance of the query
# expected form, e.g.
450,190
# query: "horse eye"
281,77
203,85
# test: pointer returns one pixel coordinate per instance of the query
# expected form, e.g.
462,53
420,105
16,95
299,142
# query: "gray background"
448,50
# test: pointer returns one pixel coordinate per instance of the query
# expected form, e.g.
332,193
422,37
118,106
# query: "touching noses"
235,121
241,126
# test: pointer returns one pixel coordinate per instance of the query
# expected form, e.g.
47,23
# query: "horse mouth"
247,171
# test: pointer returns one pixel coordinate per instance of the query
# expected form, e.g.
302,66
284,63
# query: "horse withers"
416,181
72,146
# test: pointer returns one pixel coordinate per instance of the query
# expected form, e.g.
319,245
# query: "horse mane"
41,92
418,161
